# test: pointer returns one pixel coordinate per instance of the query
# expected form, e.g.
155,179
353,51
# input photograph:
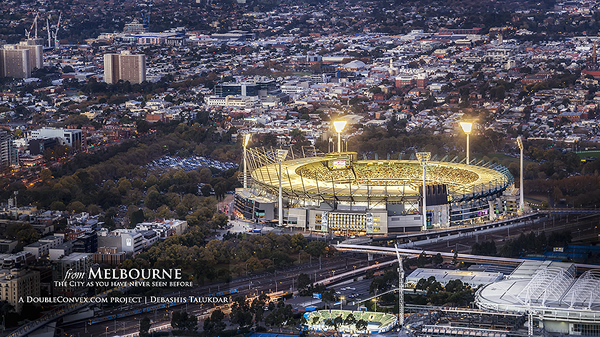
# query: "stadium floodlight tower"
246,141
521,197
339,126
400,288
423,158
466,127
280,156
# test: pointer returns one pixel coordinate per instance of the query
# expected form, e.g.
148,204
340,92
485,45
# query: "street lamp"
246,141
281,154
339,126
423,158
466,127
522,199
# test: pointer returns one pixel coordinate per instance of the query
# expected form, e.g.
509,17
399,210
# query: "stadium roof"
372,180
547,288
471,278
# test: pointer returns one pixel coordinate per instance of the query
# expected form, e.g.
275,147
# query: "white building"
239,102
70,137
126,240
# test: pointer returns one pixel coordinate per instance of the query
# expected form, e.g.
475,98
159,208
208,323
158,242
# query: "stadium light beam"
521,197
423,158
339,126
466,127
246,141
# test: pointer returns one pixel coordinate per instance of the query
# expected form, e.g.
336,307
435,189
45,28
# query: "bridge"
372,250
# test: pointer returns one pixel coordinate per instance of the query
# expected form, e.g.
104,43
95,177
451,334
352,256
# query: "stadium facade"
340,194
558,301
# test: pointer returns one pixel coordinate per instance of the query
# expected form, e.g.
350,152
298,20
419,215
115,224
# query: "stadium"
558,301
377,322
338,193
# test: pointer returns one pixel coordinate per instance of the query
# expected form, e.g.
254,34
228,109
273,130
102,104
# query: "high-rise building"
36,52
15,62
124,66
8,152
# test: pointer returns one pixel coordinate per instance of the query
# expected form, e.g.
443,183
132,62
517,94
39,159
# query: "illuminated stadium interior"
357,180
340,183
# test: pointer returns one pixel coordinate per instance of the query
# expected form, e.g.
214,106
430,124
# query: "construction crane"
145,16
34,24
49,33
56,43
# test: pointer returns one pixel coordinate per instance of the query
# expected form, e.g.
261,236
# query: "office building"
125,67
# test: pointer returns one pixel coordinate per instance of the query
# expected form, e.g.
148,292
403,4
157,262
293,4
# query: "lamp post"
246,141
466,127
339,126
521,197
281,154
423,158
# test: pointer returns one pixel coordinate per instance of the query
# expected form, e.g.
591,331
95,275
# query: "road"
256,284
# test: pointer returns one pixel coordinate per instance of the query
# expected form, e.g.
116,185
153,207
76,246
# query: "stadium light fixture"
521,197
280,156
423,158
466,127
339,126
246,141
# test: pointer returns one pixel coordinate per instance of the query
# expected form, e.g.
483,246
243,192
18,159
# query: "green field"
584,154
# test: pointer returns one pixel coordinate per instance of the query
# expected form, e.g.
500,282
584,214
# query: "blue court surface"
270,334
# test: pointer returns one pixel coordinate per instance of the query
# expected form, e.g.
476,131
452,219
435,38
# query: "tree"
137,217
303,282
361,325
316,248
337,322
145,327
240,312
422,259
76,207
206,189
350,320
183,321
214,324
438,259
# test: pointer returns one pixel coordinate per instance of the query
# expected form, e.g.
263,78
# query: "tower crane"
34,24
56,43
